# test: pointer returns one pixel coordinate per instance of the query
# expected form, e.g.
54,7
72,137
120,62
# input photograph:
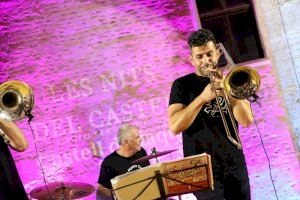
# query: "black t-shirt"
207,132
114,165
11,187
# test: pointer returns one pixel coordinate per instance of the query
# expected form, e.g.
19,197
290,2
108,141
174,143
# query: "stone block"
290,17
274,24
267,5
294,44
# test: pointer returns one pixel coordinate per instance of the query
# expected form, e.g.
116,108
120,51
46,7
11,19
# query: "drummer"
120,161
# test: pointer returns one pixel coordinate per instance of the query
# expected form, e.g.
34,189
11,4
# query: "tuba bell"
16,100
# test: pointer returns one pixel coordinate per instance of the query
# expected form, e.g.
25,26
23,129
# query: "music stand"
166,180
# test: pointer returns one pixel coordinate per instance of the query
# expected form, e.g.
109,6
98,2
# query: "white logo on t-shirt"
134,167
212,108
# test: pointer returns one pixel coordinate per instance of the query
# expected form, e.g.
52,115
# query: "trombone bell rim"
242,82
16,100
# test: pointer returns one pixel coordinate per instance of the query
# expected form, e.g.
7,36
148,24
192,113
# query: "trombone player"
16,101
194,111
11,186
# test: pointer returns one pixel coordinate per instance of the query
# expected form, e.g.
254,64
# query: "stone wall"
279,25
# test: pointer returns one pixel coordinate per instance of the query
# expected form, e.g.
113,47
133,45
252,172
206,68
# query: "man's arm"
180,117
241,111
14,135
103,193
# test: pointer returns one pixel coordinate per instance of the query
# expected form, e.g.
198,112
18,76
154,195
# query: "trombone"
240,83
16,102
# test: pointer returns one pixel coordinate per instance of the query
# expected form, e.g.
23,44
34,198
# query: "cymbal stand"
154,152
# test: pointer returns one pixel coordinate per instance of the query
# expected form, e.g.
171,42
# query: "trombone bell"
242,82
16,100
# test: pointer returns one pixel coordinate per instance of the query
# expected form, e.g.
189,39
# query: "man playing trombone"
11,186
194,110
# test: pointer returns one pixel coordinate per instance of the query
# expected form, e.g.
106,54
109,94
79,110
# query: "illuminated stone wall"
279,26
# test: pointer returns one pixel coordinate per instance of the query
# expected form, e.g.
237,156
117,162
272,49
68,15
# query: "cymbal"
62,190
153,155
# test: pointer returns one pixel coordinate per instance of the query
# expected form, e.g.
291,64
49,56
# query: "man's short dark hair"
201,37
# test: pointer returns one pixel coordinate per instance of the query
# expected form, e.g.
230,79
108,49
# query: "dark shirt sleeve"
178,94
11,186
105,175
144,153
109,168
